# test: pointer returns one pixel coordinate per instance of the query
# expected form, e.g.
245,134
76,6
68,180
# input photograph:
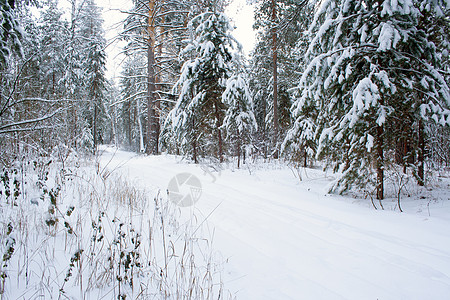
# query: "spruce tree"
199,113
369,64
133,88
156,30
93,44
10,31
239,121
274,66
53,38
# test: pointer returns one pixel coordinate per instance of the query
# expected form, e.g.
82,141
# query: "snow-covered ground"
284,238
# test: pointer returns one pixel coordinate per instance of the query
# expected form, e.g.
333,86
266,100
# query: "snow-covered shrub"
81,232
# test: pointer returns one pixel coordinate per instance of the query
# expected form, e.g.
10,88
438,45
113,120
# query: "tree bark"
141,131
421,156
238,150
380,163
194,143
219,133
157,81
275,76
305,158
129,125
73,110
405,154
94,127
114,127
152,139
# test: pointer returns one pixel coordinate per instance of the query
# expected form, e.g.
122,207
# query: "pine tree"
10,31
54,36
29,112
301,139
369,64
274,65
239,121
94,58
199,113
45,90
133,88
157,29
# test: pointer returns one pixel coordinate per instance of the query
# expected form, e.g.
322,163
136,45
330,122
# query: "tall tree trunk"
114,126
53,86
380,163
194,143
152,140
73,128
157,81
305,158
94,127
405,154
129,126
275,75
238,150
141,131
421,156
219,133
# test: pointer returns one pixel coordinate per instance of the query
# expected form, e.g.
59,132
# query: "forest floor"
283,237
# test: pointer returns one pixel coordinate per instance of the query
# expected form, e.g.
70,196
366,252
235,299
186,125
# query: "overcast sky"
239,12
242,16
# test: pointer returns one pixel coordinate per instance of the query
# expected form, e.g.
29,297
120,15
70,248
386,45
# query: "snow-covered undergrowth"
71,231
286,238
402,193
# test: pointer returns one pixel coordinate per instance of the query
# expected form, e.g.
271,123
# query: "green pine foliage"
197,117
53,94
292,18
10,32
372,68
239,122
94,65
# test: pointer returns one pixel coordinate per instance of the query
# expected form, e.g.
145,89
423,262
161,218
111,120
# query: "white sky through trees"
239,12
241,15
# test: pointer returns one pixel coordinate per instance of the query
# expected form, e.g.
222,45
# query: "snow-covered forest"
322,156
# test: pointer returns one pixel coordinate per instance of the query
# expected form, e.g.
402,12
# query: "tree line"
359,86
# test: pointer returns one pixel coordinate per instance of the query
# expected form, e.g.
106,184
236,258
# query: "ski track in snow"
286,239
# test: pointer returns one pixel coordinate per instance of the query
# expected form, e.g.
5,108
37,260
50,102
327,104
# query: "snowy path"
286,239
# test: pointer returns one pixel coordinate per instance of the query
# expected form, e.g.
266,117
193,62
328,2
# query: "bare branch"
25,122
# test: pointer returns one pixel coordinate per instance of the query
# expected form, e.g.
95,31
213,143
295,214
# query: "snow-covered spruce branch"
162,70
26,130
141,44
23,100
173,28
132,29
128,98
331,23
134,77
134,13
171,39
165,58
26,122
316,60
169,12
436,102
166,100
